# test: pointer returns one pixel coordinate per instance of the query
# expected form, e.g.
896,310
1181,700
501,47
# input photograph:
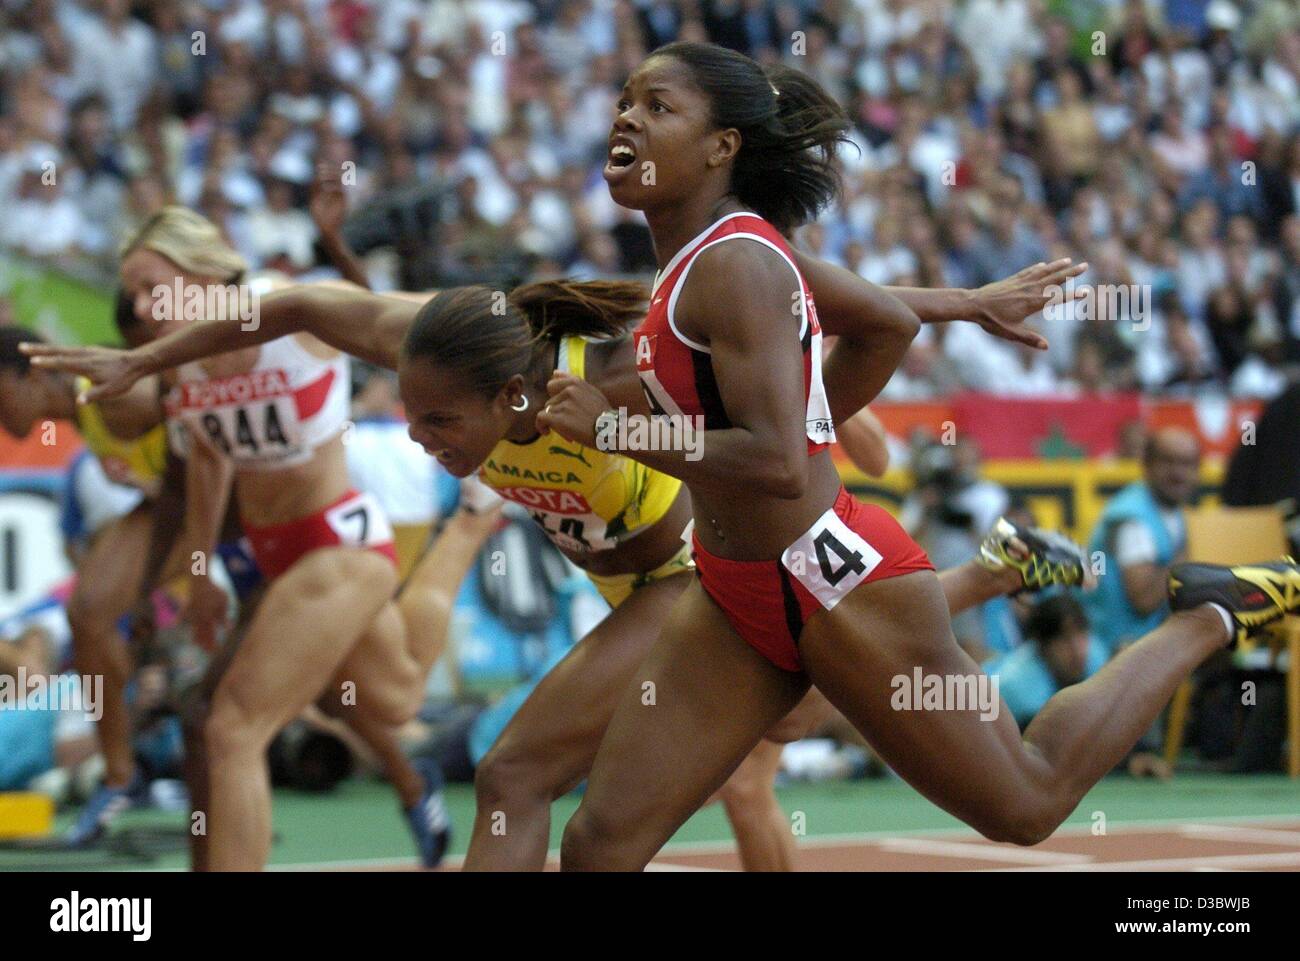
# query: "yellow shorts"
619,587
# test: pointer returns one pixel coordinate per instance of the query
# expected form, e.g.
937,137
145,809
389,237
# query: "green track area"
359,823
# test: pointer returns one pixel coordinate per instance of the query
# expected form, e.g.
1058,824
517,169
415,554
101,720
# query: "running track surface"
1226,845
1194,823
1175,846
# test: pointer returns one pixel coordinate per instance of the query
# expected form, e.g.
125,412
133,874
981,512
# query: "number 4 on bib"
844,559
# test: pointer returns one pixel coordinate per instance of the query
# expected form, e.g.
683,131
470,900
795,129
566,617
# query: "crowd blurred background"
1156,140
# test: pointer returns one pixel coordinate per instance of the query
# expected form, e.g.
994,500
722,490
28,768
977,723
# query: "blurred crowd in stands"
1159,141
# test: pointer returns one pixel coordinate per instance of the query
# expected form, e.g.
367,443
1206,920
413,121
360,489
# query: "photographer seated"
1059,651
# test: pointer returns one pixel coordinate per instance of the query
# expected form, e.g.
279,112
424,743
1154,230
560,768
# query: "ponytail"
486,337
803,160
599,309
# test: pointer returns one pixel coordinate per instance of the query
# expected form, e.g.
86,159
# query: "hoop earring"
522,408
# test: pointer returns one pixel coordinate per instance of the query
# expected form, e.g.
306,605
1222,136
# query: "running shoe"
100,811
1256,595
430,823
1049,558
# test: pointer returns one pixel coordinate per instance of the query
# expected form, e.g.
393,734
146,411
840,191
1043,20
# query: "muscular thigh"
563,720
196,698
306,624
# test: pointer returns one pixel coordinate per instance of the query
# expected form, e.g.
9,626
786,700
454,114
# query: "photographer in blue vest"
1142,532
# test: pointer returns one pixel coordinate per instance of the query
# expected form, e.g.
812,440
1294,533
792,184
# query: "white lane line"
668,866
1241,835
980,852
1285,859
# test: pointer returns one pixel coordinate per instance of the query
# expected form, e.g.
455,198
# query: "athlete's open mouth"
622,153
622,156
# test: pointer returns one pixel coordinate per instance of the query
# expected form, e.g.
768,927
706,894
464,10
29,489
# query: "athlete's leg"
982,771
377,736
310,619
429,592
698,704
194,708
398,649
378,676
808,717
964,586
971,584
381,739
395,657
425,601
549,744
108,580
374,741
763,834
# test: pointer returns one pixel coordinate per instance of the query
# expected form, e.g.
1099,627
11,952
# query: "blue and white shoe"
100,811
430,823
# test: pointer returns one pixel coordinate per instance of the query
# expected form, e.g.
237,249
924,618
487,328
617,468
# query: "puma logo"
576,455
1281,587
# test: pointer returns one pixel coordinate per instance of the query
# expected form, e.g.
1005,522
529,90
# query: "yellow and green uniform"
586,500
138,463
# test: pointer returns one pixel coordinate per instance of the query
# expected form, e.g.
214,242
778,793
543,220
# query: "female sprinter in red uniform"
798,582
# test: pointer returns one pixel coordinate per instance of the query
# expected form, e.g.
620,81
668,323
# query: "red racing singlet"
677,373
272,417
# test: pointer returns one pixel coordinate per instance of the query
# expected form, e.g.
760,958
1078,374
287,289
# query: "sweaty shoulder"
734,282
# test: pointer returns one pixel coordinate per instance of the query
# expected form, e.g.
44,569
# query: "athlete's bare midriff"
268,497
745,526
